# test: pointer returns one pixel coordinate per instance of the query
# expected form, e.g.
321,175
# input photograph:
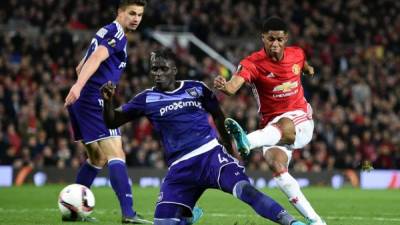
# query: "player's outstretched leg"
120,183
291,188
242,143
262,204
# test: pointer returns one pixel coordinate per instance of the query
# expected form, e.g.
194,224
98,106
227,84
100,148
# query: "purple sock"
120,183
86,174
261,203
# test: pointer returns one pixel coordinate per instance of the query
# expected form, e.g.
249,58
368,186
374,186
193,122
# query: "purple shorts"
86,116
186,181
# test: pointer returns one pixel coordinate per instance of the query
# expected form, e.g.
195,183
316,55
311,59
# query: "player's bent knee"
239,188
244,191
98,162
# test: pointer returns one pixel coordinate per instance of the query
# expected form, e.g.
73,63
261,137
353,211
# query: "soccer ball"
75,202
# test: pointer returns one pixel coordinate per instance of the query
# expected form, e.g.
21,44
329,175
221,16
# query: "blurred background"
354,46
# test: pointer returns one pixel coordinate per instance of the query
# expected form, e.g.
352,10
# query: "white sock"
268,136
291,188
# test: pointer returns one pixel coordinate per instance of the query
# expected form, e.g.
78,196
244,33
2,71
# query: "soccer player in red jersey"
274,73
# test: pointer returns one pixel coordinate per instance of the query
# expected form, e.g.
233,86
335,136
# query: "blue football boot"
238,134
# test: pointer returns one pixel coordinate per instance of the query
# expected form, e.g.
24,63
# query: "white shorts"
304,126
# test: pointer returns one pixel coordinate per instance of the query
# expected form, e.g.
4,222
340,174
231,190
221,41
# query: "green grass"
38,205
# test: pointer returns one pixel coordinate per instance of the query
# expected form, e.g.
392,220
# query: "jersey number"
222,159
101,102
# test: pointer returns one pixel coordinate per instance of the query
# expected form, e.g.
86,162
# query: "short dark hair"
165,53
274,23
125,3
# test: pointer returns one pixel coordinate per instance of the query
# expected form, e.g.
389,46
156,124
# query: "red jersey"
276,85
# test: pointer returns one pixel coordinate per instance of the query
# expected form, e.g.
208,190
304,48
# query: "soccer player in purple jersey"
104,61
179,111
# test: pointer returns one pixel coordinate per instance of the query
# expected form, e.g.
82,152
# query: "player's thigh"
304,134
87,115
95,154
181,186
112,147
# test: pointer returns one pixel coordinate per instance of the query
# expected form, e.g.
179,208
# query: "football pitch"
38,205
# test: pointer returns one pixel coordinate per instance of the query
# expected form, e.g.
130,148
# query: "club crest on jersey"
112,42
193,92
296,69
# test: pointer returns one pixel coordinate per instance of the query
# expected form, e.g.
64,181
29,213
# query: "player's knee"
99,162
288,130
97,159
276,160
244,190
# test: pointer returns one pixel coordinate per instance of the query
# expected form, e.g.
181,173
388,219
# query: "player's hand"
73,94
108,90
309,70
219,82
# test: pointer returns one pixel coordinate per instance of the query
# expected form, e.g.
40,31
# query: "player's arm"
88,69
113,117
229,87
308,69
211,105
219,118
79,66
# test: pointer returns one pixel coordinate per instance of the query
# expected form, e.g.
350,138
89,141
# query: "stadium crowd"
354,46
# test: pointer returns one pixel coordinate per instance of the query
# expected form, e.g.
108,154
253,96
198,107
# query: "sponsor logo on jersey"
296,69
286,86
180,105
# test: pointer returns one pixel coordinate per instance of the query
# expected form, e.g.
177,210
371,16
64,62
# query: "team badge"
112,42
193,92
296,69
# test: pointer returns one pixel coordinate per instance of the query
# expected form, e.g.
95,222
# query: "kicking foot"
238,134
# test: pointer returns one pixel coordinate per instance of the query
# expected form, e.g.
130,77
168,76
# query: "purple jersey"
112,37
179,116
